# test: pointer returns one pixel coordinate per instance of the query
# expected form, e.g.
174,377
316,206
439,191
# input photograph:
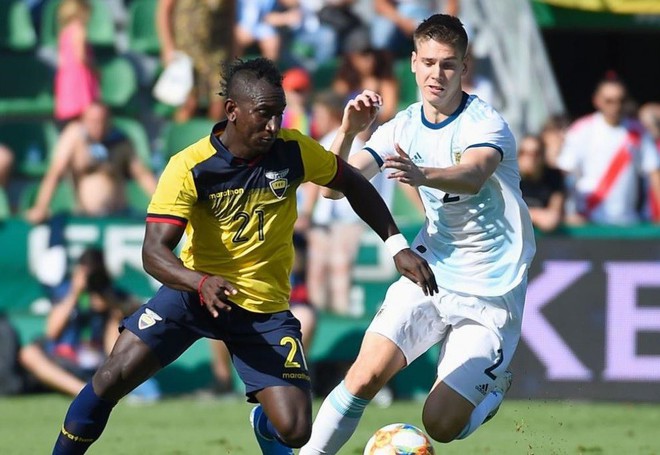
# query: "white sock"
490,402
335,422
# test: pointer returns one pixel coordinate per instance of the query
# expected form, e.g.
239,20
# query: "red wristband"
199,289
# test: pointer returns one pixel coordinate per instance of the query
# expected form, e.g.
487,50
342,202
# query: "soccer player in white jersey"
478,239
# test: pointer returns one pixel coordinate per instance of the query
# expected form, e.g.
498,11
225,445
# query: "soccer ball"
399,439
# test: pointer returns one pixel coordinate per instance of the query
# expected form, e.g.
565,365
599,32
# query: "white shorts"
479,335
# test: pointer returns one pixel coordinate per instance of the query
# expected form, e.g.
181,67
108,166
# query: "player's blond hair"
72,9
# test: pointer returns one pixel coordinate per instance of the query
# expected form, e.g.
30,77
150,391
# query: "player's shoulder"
194,154
477,110
412,111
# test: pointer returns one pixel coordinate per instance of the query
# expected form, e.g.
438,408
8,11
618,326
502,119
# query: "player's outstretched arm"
159,261
359,114
369,206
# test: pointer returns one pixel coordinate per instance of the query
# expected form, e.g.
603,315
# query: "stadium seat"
119,82
408,92
32,143
100,29
26,86
324,75
16,29
137,199
64,199
180,135
135,132
142,33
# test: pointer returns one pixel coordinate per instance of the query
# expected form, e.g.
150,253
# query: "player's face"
438,68
258,116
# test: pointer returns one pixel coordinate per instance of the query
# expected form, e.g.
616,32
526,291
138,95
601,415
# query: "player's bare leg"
445,413
130,363
378,361
282,420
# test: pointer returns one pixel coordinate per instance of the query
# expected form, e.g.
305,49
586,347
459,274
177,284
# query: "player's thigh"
267,351
471,359
377,362
409,319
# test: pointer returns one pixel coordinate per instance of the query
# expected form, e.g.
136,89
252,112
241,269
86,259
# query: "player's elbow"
328,193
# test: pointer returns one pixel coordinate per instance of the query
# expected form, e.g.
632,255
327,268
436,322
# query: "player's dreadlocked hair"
241,71
443,28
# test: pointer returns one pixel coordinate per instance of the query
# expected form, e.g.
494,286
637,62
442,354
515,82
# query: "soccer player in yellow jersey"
233,194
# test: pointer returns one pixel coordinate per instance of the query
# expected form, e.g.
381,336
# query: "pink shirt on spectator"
76,85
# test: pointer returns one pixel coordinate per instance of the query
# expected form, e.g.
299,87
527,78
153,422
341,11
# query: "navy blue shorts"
265,347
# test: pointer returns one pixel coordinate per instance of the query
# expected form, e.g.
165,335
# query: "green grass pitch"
180,426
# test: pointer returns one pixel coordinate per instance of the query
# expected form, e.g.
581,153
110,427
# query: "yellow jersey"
239,215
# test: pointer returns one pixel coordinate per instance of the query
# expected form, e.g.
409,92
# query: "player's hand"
416,269
403,169
361,111
214,294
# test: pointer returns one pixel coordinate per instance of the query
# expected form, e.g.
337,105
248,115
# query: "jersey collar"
436,126
223,152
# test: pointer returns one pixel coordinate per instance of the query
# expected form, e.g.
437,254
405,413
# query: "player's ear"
230,109
413,59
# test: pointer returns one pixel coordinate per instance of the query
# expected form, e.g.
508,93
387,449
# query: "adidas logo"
417,158
482,388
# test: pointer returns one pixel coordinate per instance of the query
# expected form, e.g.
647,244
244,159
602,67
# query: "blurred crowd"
95,152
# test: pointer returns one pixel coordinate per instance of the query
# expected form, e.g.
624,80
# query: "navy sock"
84,422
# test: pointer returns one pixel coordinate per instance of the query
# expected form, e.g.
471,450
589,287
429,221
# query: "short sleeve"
381,143
176,193
320,164
491,132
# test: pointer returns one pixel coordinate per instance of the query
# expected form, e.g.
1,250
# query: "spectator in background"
339,16
649,115
605,155
542,187
64,359
297,86
252,27
99,160
202,29
307,41
363,67
6,164
76,81
475,83
552,135
334,235
395,21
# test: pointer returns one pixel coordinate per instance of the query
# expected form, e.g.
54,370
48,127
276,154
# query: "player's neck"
439,112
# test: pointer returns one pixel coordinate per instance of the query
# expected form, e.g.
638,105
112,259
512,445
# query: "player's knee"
442,428
365,383
295,434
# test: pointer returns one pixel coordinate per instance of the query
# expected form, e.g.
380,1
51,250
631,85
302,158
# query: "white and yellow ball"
399,439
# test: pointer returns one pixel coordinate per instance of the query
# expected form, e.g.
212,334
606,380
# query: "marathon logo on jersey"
457,157
278,182
147,319
482,388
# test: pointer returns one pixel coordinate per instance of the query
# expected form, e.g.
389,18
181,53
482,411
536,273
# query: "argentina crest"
278,182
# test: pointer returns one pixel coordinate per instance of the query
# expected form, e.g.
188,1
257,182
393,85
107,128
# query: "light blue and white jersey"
479,244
